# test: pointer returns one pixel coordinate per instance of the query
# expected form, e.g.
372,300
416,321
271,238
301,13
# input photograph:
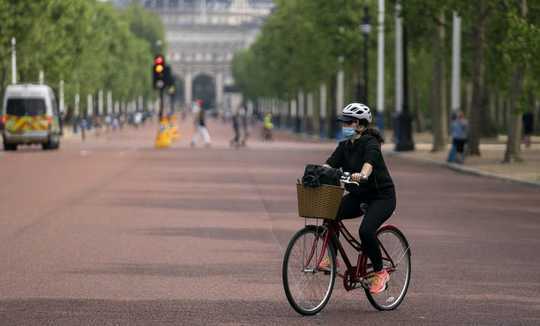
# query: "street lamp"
365,28
403,120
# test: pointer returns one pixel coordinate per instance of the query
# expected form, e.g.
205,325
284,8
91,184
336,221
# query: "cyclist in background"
267,127
360,154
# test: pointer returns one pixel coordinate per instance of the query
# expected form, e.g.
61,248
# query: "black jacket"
351,157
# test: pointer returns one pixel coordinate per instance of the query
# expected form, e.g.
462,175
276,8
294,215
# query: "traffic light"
158,72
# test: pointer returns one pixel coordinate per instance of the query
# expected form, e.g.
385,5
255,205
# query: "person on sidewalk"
200,125
360,153
460,130
528,127
452,153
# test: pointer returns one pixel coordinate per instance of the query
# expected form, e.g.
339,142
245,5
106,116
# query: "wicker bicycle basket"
320,202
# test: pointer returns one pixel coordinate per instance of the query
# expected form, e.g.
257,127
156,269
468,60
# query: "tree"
90,45
520,49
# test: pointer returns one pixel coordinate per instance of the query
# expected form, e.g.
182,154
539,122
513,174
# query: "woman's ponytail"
371,131
375,133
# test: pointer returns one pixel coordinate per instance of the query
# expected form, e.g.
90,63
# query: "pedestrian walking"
528,127
200,125
460,130
235,141
244,124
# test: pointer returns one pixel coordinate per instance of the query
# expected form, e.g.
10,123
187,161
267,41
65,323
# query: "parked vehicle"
30,116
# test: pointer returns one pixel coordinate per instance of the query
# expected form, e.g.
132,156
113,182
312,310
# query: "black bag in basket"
316,175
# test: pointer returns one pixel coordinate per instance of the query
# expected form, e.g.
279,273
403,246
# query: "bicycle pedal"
364,283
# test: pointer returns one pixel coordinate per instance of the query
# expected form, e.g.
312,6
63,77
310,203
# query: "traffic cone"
163,139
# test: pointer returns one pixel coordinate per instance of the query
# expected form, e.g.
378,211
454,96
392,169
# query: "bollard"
163,139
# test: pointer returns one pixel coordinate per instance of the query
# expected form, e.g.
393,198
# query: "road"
114,232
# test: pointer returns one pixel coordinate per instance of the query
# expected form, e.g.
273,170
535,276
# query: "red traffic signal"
159,60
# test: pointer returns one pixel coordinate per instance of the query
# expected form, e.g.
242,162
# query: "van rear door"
26,115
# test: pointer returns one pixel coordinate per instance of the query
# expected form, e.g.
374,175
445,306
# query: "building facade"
202,37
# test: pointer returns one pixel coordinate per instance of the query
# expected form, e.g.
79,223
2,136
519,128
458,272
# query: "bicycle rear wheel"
307,286
396,255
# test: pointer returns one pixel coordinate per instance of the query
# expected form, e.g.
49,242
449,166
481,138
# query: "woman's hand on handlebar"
359,177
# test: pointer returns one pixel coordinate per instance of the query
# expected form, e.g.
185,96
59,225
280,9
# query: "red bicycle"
308,286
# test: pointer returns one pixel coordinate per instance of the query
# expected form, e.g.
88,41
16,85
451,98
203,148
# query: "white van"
30,116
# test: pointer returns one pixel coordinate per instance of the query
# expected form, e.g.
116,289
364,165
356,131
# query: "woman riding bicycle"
360,154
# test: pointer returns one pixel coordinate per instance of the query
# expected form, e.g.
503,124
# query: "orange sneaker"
325,264
377,282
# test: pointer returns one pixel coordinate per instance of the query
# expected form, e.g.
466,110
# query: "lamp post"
13,60
403,122
365,28
379,119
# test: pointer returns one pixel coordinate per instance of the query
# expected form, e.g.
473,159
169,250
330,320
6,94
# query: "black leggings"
378,211
460,145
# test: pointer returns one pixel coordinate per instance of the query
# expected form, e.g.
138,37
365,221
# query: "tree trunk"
498,112
488,121
331,109
513,144
536,112
419,117
506,113
468,99
491,122
478,75
439,114
317,113
289,114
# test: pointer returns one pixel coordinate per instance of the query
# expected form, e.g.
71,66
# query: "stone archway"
204,88
210,78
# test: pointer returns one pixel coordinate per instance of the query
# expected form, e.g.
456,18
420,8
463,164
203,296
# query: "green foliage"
522,48
299,46
89,44
301,42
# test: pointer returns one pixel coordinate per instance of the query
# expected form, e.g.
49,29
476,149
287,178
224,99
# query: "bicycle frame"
354,274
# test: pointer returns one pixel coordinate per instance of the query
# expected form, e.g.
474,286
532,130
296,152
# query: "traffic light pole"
160,103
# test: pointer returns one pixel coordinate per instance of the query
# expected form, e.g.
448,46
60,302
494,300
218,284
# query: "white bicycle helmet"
355,111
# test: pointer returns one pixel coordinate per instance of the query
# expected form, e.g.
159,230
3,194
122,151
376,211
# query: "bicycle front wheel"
309,271
396,255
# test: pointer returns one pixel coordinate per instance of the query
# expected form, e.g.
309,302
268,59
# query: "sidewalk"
488,164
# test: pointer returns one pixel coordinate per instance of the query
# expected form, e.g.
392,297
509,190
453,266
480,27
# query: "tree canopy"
302,40
89,44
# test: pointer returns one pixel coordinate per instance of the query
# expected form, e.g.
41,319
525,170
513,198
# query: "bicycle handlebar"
346,177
